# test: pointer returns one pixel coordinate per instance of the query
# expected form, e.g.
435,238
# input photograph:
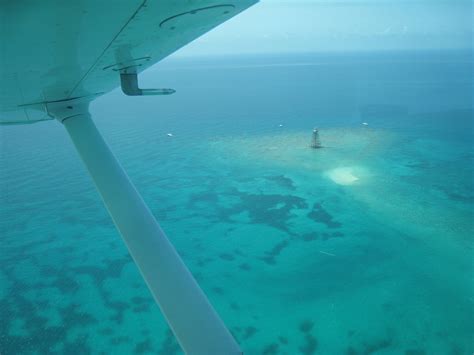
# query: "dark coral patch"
78,346
415,352
245,267
371,348
270,349
144,347
310,346
320,215
65,284
272,210
269,258
113,269
306,326
169,345
119,308
218,290
72,316
282,181
249,332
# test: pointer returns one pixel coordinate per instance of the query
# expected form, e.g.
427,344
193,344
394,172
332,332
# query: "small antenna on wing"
129,82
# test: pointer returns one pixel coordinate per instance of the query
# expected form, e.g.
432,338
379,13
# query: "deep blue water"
363,247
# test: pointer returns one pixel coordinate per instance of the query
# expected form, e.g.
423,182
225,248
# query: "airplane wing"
55,57
55,50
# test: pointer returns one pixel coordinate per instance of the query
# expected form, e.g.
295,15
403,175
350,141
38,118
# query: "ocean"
362,247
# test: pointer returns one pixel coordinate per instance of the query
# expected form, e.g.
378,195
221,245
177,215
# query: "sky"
278,26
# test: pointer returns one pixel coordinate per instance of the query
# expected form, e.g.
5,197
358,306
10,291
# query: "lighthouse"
315,141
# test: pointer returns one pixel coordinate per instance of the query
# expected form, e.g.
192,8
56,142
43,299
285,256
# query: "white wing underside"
55,50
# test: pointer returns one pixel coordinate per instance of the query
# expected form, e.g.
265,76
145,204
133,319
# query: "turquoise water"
362,247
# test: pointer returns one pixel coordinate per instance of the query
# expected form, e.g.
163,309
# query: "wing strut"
192,318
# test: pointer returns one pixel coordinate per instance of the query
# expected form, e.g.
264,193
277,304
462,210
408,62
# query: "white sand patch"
343,176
